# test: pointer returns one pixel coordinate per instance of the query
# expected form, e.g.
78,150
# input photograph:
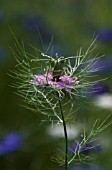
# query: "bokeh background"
24,143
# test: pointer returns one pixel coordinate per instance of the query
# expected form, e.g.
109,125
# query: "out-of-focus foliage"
71,24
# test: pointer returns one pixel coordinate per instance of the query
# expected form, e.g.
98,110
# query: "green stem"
66,136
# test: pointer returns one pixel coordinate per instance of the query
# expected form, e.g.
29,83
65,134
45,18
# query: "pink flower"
65,82
54,84
39,80
49,76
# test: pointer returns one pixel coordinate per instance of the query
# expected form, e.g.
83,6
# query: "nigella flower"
11,142
51,85
63,82
43,79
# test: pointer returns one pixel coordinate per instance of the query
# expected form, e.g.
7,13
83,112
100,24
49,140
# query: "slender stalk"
66,136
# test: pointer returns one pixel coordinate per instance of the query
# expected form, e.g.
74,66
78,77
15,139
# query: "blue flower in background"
35,24
104,64
99,89
105,35
10,143
87,149
32,22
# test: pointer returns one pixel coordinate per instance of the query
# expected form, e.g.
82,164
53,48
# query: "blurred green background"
72,24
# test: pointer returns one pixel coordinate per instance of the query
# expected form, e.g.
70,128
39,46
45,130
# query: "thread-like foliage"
50,86
42,98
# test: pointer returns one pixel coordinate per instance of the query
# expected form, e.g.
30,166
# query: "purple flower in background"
64,82
35,24
105,35
10,143
87,149
99,89
104,64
